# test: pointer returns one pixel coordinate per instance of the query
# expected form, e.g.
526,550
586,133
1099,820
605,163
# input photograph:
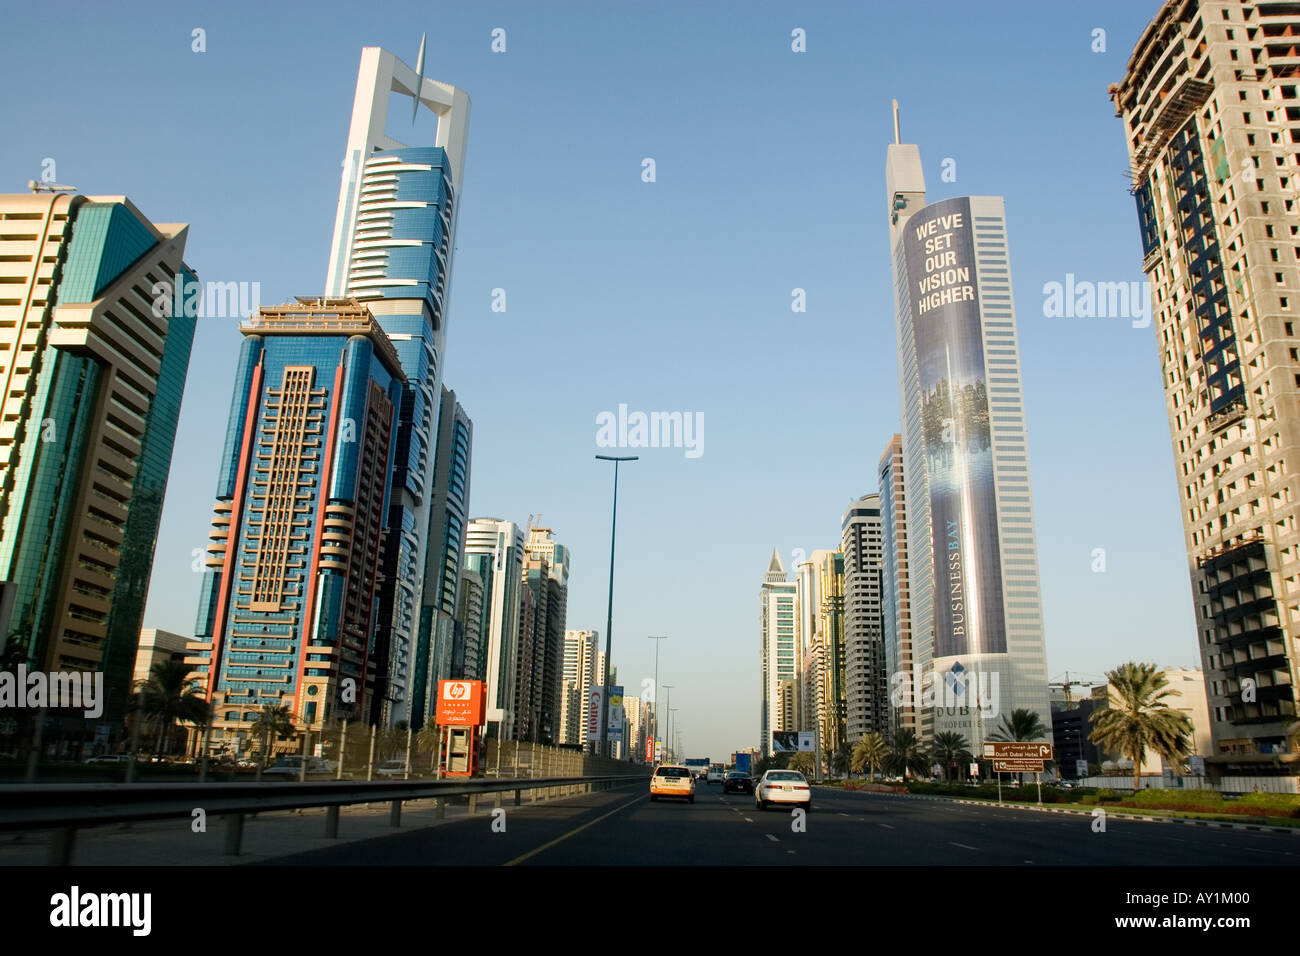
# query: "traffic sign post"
1017,756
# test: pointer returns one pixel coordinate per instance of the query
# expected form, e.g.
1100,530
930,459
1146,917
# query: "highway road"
623,827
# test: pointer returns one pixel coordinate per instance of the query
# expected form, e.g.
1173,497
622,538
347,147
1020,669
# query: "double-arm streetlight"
609,620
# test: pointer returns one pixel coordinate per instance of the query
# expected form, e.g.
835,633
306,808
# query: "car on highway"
737,781
291,767
715,775
391,768
672,780
783,786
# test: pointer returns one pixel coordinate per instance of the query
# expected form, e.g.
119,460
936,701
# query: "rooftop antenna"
41,187
897,137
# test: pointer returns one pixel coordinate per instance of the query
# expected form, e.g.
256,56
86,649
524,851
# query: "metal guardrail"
65,808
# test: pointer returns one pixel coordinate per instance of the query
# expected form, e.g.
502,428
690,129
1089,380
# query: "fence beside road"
65,808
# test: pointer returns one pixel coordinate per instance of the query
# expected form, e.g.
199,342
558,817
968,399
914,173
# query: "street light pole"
672,730
657,638
668,703
609,620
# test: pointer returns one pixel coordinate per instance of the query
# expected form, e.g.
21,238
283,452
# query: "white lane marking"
772,838
747,820
843,814
887,826
963,846
1029,861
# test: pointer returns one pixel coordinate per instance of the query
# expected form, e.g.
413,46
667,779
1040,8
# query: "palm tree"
170,695
1020,725
430,736
273,722
949,749
905,754
871,751
841,759
1137,719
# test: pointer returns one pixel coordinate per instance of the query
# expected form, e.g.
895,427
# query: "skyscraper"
93,371
394,234
778,651
580,652
832,705
546,576
287,608
494,550
448,518
1210,102
866,693
972,556
895,603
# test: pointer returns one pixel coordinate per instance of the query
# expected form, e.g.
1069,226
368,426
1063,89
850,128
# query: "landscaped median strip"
1124,812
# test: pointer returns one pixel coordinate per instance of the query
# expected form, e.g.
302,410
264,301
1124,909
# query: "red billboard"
461,703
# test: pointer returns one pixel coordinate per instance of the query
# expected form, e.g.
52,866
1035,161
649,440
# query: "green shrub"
1273,801
1177,797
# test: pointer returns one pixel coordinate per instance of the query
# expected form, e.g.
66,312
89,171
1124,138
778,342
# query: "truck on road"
699,767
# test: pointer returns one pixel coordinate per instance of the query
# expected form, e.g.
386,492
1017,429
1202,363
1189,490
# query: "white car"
783,786
715,776
391,768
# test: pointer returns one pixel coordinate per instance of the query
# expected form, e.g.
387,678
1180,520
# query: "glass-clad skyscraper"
288,609
93,370
392,249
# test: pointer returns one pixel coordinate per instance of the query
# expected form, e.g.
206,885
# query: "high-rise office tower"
832,704
1210,103
805,609
580,651
93,374
866,693
394,234
467,627
972,557
287,608
527,673
546,576
448,517
778,650
894,600
494,551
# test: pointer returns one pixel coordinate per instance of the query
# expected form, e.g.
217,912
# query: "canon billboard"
940,256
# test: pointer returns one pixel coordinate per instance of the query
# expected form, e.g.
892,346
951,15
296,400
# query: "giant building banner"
940,255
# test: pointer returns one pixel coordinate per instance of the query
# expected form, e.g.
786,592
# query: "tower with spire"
779,653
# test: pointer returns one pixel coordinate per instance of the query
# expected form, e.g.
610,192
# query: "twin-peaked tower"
331,472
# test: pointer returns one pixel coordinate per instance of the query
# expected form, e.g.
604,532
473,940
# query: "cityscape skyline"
577,505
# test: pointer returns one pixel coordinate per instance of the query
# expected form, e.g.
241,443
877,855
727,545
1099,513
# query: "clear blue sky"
670,296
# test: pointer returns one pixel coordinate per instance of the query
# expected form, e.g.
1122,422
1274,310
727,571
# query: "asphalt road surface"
622,827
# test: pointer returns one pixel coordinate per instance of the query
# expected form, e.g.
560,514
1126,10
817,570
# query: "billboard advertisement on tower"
968,604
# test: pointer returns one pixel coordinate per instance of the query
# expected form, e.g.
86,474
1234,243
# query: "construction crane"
1066,684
